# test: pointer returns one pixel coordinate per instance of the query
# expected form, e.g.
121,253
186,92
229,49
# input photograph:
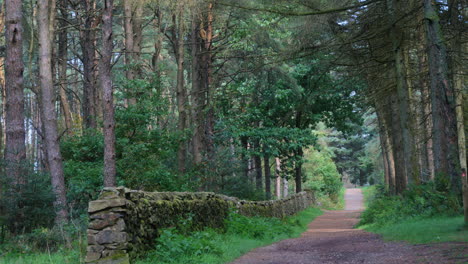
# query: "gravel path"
330,238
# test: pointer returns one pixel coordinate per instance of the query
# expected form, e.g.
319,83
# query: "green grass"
60,257
218,247
415,218
421,231
223,248
329,204
368,192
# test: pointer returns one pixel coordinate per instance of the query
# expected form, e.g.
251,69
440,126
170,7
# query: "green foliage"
322,175
83,166
419,201
44,256
171,244
26,206
145,152
424,230
257,227
217,246
356,152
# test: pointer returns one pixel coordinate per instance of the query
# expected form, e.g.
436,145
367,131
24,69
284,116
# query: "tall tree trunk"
46,17
285,187
137,36
207,80
402,91
444,133
128,28
244,159
386,151
278,178
87,41
2,90
108,99
62,67
298,170
15,148
425,110
459,49
266,164
179,50
258,166
427,117
197,94
398,152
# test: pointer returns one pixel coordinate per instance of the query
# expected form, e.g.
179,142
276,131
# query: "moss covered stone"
125,223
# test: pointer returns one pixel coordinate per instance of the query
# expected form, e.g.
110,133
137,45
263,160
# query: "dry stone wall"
124,223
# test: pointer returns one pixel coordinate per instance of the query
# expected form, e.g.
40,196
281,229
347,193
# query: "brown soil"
332,239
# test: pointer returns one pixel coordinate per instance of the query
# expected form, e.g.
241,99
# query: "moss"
147,213
119,255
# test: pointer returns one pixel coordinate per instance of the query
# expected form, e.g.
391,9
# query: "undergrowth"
422,214
328,203
180,245
213,246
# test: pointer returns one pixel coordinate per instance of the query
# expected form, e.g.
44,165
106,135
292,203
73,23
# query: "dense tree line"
224,95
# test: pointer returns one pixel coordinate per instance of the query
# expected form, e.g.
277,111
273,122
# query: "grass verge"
59,257
208,246
369,193
327,203
422,231
421,215
243,234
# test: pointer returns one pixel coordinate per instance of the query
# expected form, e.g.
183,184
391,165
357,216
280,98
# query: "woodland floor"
330,238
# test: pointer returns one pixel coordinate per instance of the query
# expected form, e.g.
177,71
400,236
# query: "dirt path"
330,238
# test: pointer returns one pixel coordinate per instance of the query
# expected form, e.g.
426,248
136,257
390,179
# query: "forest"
251,99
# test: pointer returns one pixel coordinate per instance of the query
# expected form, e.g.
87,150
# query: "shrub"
27,206
171,244
418,201
256,227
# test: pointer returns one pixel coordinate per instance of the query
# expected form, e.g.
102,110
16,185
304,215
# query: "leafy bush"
27,206
257,227
418,201
172,244
179,245
322,175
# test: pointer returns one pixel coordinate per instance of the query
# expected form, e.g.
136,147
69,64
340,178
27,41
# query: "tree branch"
311,13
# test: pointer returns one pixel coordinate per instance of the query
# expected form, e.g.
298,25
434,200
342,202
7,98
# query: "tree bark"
397,145
266,164
459,49
179,51
46,17
2,90
298,170
197,94
402,91
108,100
128,28
87,42
278,178
285,187
258,166
444,133
62,67
15,149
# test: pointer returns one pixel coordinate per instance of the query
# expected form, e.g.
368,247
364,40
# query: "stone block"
106,215
99,224
99,205
110,236
92,257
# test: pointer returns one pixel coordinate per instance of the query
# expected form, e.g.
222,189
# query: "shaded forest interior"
252,99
